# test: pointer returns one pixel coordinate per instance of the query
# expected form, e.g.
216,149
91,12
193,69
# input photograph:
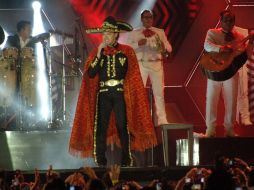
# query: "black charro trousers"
107,102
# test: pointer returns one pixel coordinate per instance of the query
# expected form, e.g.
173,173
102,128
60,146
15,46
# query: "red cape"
138,114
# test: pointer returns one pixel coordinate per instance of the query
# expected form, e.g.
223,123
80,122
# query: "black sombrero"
111,25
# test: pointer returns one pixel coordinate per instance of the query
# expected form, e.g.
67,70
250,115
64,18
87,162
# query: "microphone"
76,44
78,19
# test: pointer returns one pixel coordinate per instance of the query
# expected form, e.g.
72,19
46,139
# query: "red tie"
148,33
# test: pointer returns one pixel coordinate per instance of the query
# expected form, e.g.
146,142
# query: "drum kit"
19,96
18,75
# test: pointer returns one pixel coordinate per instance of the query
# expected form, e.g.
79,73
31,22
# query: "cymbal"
1,35
40,37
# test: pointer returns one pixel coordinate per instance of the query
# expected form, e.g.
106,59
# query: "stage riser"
205,150
182,154
38,149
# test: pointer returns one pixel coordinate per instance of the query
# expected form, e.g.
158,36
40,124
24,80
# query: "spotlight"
36,5
5,40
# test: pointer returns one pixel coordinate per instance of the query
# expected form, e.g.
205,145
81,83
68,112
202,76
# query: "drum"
28,82
8,79
10,53
27,53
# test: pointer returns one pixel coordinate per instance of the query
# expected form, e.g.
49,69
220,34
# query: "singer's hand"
226,49
165,54
142,42
101,46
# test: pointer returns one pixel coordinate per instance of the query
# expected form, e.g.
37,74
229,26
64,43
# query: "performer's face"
227,22
109,38
147,19
26,31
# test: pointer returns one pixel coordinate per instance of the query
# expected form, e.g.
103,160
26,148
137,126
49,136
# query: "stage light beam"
42,84
135,19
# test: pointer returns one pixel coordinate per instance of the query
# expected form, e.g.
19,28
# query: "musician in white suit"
242,110
219,40
151,44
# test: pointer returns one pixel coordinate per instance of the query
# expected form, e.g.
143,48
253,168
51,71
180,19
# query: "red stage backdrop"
185,23
174,16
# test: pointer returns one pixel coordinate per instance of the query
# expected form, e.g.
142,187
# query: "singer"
112,105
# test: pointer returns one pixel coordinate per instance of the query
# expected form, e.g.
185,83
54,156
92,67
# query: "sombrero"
111,25
1,35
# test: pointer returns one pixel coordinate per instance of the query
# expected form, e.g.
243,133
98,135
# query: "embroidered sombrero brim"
110,25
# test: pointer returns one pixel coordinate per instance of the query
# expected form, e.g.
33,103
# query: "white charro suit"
151,64
242,99
214,40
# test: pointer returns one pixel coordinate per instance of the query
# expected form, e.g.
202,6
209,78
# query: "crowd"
226,174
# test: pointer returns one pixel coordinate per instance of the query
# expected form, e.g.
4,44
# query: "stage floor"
27,150
37,149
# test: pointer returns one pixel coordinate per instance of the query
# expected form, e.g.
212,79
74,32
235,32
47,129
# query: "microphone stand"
63,80
20,102
47,54
83,39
